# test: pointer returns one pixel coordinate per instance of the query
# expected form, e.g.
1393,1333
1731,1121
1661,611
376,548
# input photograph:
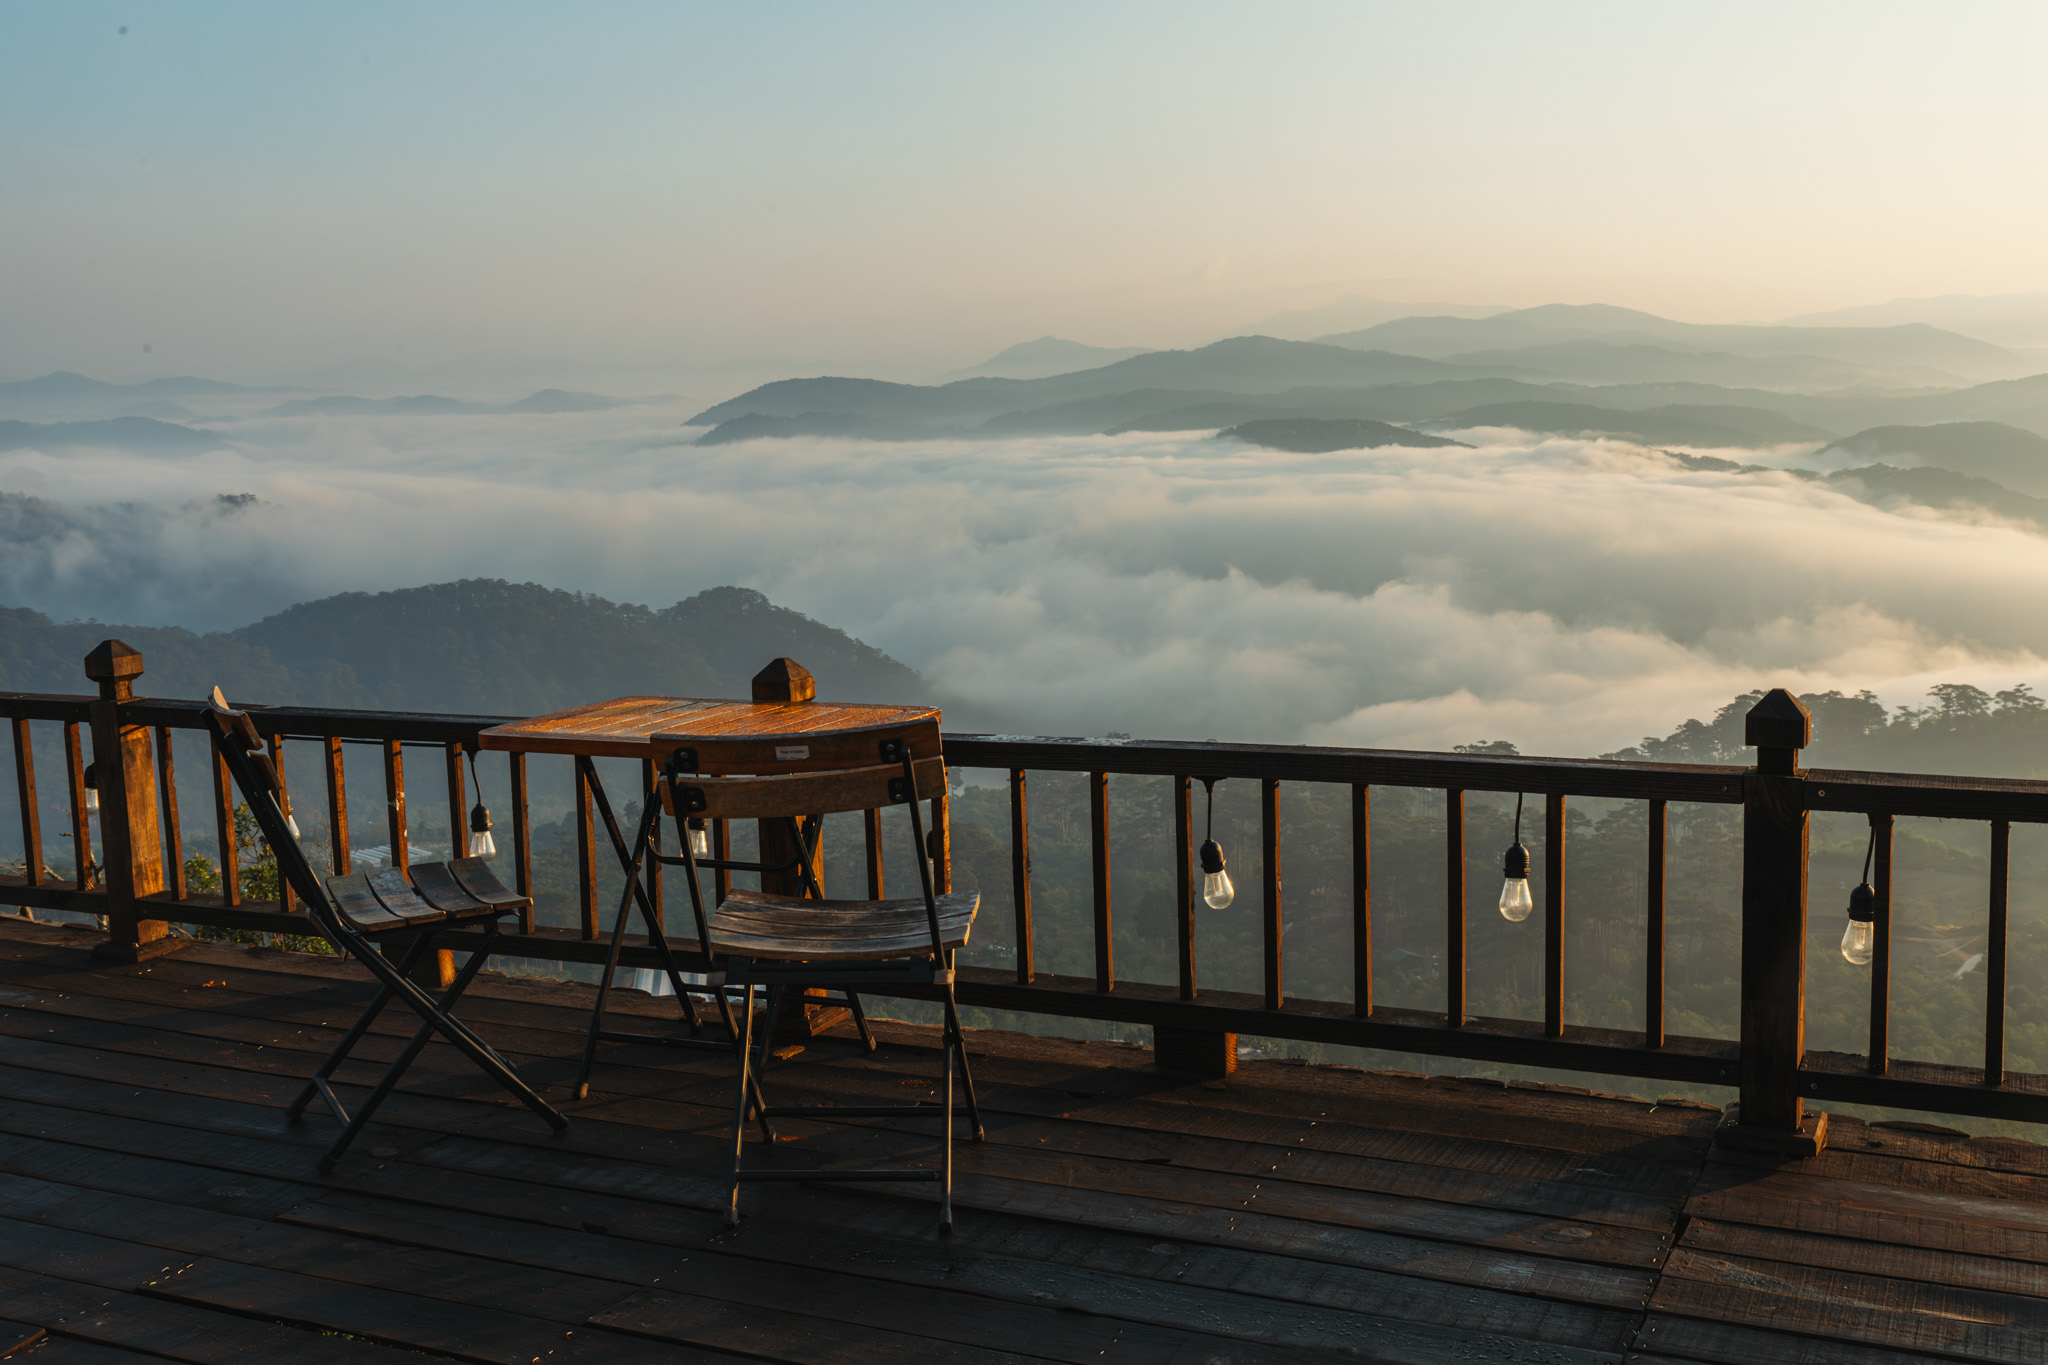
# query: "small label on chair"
785,753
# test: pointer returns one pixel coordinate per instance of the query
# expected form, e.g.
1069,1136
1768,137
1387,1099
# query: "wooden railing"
141,889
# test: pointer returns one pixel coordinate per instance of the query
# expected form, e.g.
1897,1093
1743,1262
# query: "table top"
625,727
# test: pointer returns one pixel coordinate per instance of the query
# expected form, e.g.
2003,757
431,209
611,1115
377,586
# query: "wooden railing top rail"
1373,767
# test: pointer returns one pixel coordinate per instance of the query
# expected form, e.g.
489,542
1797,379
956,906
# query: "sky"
691,198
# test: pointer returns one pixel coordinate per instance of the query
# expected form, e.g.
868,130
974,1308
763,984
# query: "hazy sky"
264,192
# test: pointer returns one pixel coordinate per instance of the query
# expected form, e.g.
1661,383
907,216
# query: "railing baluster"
1454,908
173,826
1653,946
1184,882
522,838
942,841
651,794
224,828
458,802
31,812
871,838
1553,915
395,823
284,886
1098,840
1361,900
1020,875
337,807
81,823
721,851
1269,821
1879,1059
1994,954
586,852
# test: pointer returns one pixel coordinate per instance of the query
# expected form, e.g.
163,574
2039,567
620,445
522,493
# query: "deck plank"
154,1196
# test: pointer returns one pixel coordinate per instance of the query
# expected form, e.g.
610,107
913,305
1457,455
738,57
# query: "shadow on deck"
155,1204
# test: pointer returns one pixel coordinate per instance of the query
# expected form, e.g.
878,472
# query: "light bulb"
292,826
1859,940
1217,891
92,800
1515,900
482,845
700,839
1859,943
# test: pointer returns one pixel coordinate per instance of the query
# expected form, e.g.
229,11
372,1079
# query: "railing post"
787,680
1774,848
124,765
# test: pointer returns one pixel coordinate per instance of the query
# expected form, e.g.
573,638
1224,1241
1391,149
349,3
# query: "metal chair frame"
240,748
645,848
934,968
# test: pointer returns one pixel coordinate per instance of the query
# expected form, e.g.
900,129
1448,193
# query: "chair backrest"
799,794
799,753
241,748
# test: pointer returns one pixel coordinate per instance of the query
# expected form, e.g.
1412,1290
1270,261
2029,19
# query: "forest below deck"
157,1205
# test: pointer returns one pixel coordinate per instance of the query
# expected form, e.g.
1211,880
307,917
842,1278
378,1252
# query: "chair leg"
740,1091
774,1011
611,957
481,1054
966,1075
725,1011
355,1033
946,1146
860,1020
389,1081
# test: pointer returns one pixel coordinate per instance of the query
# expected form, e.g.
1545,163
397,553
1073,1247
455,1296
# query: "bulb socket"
1515,866
1212,857
1863,904
479,819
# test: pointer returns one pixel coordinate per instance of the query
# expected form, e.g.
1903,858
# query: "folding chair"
785,942
356,913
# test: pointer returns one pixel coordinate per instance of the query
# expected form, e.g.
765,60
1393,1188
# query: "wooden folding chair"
755,939
357,913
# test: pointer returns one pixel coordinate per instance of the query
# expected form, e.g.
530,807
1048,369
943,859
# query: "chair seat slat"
438,887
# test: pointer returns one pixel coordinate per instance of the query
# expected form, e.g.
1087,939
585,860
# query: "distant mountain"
1944,488
143,435
1352,312
2003,319
1911,353
1591,361
433,405
1727,428
1986,450
479,646
64,395
1048,355
1310,436
1245,365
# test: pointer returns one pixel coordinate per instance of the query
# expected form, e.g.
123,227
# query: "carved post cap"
785,680
1779,721
113,665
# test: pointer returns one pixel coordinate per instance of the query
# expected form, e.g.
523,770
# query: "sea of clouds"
1570,596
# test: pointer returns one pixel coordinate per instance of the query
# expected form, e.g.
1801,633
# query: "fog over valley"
1301,576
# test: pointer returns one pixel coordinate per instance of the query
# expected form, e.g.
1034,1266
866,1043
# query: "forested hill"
480,646
1963,730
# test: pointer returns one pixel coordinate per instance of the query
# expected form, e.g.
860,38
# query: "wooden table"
626,727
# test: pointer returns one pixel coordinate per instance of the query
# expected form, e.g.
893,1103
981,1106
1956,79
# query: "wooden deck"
154,1204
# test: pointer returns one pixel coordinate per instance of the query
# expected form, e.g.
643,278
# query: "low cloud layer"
1568,595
